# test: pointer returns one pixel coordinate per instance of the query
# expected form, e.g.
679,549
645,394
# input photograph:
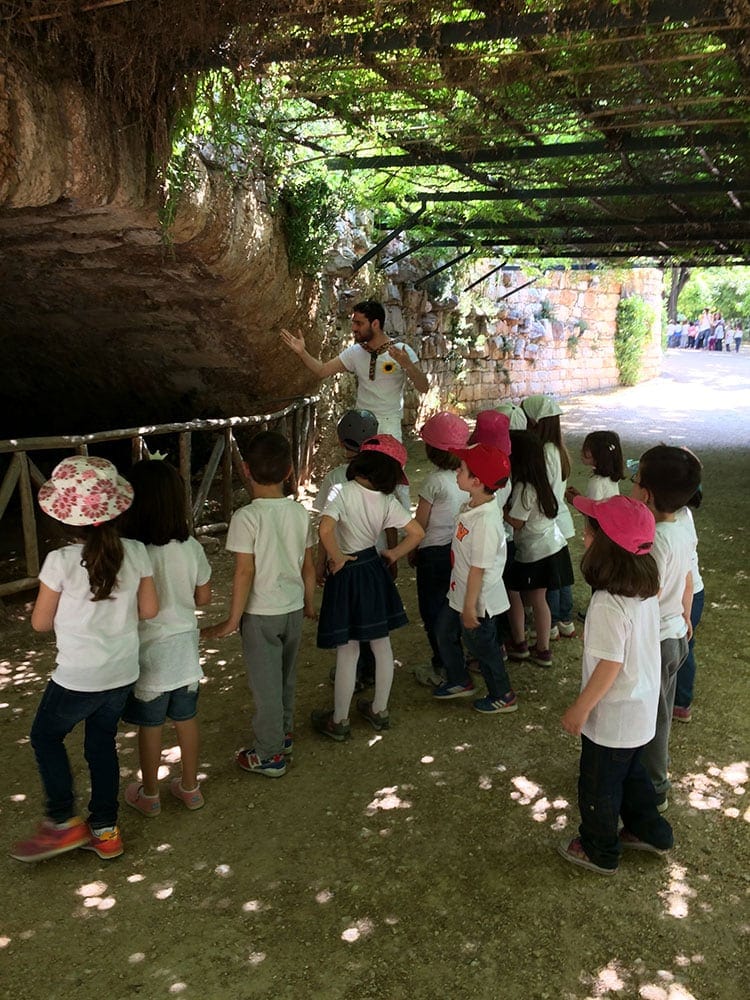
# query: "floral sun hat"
85,491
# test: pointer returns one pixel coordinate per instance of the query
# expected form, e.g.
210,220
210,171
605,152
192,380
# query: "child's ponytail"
102,558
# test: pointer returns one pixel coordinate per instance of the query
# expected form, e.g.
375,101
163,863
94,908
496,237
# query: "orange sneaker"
51,839
106,842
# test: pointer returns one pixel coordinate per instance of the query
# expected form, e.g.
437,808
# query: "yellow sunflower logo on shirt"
389,367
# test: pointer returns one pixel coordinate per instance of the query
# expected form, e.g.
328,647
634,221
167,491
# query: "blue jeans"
480,643
561,604
686,673
60,711
612,783
433,581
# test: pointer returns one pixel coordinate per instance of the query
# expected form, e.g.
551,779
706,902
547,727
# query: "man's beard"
364,336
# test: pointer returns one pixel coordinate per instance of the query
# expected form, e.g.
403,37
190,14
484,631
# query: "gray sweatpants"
269,647
655,755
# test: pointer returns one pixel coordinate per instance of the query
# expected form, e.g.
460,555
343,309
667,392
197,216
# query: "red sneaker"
51,839
106,842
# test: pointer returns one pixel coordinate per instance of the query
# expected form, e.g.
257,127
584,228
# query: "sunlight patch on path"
385,800
677,893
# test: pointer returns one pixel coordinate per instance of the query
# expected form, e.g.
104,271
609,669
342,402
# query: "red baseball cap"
388,445
629,523
488,464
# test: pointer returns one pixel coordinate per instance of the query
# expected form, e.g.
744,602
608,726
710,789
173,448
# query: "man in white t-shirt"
381,366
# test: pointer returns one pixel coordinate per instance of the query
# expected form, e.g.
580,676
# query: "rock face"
104,321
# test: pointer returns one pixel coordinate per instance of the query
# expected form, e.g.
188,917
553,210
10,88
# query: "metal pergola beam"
598,17
596,190
546,151
589,223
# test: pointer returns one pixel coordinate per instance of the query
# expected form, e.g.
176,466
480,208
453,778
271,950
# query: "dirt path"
421,863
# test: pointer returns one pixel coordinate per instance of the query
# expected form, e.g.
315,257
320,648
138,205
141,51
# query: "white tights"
346,676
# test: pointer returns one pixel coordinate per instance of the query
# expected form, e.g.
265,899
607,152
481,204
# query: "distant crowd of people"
708,333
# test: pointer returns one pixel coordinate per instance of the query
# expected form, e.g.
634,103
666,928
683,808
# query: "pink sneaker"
191,800
680,714
147,805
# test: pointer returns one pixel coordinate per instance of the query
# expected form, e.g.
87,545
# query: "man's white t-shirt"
383,395
440,489
540,536
276,532
673,548
625,630
361,514
479,540
97,641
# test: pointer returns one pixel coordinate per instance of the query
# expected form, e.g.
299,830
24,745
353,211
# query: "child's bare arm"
687,604
469,616
327,532
148,599
45,609
202,595
244,574
422,517
309,579
602,679
413,535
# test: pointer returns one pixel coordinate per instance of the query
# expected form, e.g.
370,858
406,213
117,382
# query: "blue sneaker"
288,744
494,706
447,691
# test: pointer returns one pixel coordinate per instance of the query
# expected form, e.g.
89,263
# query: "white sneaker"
553,634
565,629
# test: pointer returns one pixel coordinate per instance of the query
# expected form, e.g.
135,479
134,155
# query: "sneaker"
663,805
542,657
323,723
272,767
447,691
566,629
581,616
573,852
554,634
136,798
51,839
106,842
378,720
288,745
426,674
517,650
628,839
493,706
682,714
191,800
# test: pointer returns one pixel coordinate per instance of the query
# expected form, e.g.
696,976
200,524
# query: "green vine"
634,320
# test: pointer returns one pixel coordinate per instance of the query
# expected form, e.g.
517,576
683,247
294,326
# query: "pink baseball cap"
492,428
488,464
387,444
445,431
629,523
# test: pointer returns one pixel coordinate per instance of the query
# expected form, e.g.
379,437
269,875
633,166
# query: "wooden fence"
297,422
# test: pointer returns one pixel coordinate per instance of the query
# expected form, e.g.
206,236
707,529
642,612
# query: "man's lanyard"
374,355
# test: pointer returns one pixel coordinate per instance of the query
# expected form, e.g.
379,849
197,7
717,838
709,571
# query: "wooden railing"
296,422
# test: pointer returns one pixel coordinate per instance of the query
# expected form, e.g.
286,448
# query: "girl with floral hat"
92,592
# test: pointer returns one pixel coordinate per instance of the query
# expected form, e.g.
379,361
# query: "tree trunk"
680,277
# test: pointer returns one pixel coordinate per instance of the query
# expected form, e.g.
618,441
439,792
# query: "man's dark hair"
371,309
269,458
671,475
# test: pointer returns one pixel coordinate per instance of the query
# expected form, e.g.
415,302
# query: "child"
92,593
544,420
683,699
168,683
516,417
440,498
273,586
667,478
477,593
602,452
360,600
615,713
542,560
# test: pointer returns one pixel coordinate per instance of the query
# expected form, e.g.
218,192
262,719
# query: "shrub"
634,320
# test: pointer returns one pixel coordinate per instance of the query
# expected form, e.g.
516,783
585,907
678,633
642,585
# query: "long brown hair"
548,430
527,466
101,557
607,566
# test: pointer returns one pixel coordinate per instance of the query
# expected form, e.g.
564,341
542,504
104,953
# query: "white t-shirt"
626,630
540,536
441,490
674,544
362,514
554,474
335,478
601,488
97,641
479,540
383,395
276,531
502,496
684,516
168,655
